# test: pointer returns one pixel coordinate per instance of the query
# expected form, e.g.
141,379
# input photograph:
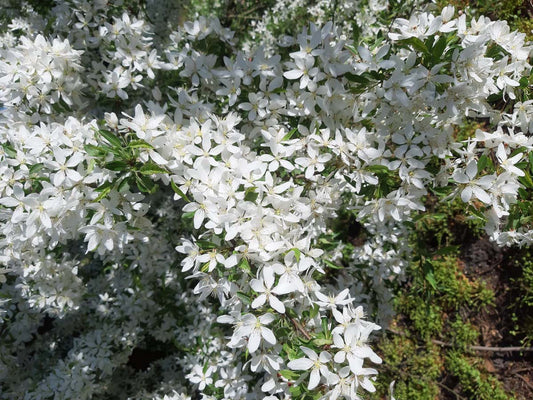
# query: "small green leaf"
314,311
482,163
325,326
178,191
289,135
104,186
429,274
123,185
103,193
476,213
139,144
244,297
206,244
378,169
245,266
116,165
322,342
36,168
415,44
438,49
95,151
332,265
111,138
526,180
151,168
251,195
145,184
9,150
356,78
297,253
288,374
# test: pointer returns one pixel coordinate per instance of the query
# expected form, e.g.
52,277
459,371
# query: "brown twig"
474,348
485,348
300,328
529,385
457,395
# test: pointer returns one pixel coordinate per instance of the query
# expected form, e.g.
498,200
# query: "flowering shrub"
178,193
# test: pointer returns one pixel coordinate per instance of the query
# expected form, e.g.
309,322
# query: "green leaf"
245,266
145,184
297,253
36,168
438,49
482,163
289,135
104,186
244,297
314,311
296,391
151,168
325,326
111,138
104,191
95,151
526,180
9,150
139,144
206,244
415,44
178,191
332,265
429,274
378,169
188,215
322,342
116,165
478,214
251,195
288,374
356,78
123,185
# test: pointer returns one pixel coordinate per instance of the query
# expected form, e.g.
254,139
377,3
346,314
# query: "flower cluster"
173,198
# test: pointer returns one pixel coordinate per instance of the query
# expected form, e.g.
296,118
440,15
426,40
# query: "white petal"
254,341
314,379
276,304
300,364
199,216
340,357
259,301
466,194
293,74
309,353
268,335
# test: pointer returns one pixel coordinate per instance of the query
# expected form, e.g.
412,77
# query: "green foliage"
430,340
522,293
473,381
121,153
416,369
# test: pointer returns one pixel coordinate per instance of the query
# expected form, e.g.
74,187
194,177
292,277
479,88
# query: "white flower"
471,186
264,287
256,330
317,364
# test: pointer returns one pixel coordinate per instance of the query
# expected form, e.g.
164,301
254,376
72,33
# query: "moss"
473,380
522,295
415,369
